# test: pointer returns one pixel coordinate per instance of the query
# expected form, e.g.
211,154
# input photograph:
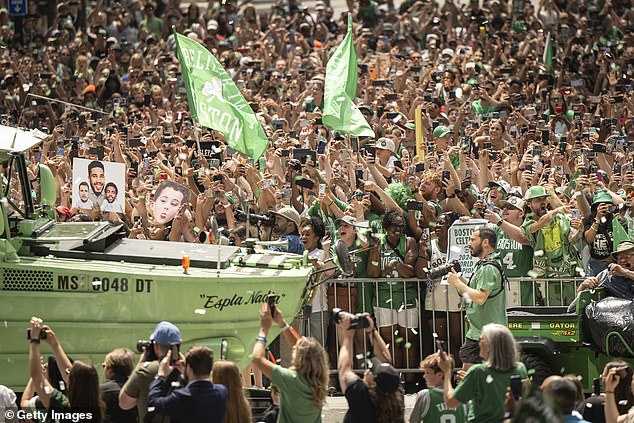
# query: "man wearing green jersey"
485,290
515,250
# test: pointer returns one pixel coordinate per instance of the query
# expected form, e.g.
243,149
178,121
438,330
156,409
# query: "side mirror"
48,193
343,261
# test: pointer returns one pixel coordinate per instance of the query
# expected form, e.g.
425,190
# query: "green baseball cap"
535,192
441,131
602,196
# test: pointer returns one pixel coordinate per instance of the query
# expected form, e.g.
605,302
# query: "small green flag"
340,89
548,52
618,233
215,101
571,185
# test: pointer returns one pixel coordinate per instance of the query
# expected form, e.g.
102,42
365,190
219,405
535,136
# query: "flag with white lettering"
215,101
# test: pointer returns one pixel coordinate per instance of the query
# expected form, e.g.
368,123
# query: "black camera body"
441,271
146,346
359,321
255,219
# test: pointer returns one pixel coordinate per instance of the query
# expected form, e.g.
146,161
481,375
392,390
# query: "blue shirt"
295,244
617,286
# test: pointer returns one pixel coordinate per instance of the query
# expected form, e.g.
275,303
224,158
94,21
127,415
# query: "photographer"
485,290
377,397
135,391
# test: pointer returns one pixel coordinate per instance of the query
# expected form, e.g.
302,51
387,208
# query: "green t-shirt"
365,291
486,277
485,390
516,259
296,398
430,408
481,111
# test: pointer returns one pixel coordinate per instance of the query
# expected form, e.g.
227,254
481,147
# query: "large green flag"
340,112
215,101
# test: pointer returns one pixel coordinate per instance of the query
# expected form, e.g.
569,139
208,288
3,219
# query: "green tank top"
395,295
438,411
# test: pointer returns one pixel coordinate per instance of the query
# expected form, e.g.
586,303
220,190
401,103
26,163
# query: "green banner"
340,89
215,101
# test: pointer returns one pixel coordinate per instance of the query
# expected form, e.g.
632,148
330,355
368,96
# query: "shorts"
470,352
405,317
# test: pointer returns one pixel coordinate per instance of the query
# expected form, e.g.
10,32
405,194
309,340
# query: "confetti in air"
456,249
200,311
408,345
359,356
414,331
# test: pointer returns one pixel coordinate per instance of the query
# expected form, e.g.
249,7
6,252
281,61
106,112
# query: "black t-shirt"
110,394
601,247
360,406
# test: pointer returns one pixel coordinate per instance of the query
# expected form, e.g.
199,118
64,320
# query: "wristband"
500,222
196,229
261,339
34,341
141,197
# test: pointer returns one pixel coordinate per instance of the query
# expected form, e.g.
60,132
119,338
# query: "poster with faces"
169,197
98,183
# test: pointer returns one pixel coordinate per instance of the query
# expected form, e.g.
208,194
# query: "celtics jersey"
434,409
395,295
516,259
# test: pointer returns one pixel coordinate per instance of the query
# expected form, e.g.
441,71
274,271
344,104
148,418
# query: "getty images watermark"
49,415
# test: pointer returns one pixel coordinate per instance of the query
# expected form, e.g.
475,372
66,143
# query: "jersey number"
448,418
508,261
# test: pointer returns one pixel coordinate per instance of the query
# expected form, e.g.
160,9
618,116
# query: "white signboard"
99,183
459,236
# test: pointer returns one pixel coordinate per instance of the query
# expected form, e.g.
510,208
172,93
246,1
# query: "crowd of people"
525,111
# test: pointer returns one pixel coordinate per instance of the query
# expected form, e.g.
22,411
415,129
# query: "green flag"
548,52
215,101
618,233
340,89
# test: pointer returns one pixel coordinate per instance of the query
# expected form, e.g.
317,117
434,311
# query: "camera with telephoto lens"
358,321
441,271
255,219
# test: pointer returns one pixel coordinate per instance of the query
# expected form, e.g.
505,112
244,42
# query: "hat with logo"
516,202
441,131
535,192
386,376
602,196
385,144
165,334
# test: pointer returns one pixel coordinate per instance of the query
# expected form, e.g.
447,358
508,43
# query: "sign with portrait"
169,196
100,183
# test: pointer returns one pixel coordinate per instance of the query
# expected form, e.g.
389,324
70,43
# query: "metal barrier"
411,327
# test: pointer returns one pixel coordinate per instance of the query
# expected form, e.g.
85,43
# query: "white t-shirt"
320,299
441,293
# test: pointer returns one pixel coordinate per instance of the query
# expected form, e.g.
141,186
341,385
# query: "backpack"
505,281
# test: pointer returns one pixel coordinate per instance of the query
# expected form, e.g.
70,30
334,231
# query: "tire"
538,369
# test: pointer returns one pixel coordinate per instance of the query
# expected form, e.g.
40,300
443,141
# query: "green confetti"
408,345
399,340
531,372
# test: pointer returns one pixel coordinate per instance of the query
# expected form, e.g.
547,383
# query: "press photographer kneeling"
377,397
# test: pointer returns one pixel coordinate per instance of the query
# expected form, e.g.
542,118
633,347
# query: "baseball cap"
447,52
165,334
386,376
385,144
346,219
320,5
516,202
441,131
602,196
502,184
212,25
535,192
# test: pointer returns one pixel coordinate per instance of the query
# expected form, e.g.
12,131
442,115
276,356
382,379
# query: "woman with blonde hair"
228,374
304,385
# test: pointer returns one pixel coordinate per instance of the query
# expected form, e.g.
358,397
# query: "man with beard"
97,177
485,290
516,253
287,228
83,202
111,204
552,239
